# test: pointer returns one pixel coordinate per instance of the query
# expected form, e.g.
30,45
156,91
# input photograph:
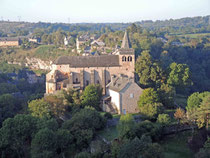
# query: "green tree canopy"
149,71
44,144
149,104
179,75
195,99
91,96
17,133
39,108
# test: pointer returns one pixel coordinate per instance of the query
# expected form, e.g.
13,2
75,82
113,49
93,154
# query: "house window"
130,58
131,95
124,58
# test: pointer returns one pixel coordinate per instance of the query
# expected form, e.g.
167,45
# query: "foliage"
9,106
91,96
44,144
202,111
149,129
39,108
151,110
149,96
149,71
195,99
138,148
179,75
164,119
179,114
16,133
125,125
57,106
167,94
83,126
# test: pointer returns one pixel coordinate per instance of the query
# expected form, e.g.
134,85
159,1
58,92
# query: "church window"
130,58
76,80
124,58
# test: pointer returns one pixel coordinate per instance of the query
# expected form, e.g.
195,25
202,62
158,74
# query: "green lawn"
194,35
176,146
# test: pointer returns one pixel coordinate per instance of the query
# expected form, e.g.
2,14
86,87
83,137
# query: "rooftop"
88,61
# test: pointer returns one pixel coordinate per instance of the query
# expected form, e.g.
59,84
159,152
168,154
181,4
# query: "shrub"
108,115
164,119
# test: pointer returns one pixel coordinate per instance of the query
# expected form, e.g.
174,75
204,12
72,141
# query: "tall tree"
179,76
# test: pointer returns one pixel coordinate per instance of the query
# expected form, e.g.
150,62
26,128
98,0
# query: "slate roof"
126,41
89,61
119,83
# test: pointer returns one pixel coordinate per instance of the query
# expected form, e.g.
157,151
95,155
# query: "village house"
9,41
80,71
122,95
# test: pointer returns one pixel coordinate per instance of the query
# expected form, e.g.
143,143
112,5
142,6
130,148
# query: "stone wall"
130,96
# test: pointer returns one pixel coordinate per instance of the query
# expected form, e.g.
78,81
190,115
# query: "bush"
151,111
163,119
125,126
108,115
149,129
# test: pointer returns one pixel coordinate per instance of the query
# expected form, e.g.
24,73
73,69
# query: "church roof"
88,61
126,41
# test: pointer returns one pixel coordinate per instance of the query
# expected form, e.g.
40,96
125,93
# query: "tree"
16,134
149,96
91,96
195,99
166,94
202,112
150,72
44,144
39,108
57,106
149,104
125,125
140,148
179,114
64,141
9,106
142,68
179,76
83,126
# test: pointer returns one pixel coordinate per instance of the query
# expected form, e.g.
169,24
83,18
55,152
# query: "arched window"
76,80
98,82
130,58
124,58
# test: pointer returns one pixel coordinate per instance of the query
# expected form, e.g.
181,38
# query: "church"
80,71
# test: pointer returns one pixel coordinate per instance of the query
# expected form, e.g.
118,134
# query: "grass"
194,35
176,146
109,133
